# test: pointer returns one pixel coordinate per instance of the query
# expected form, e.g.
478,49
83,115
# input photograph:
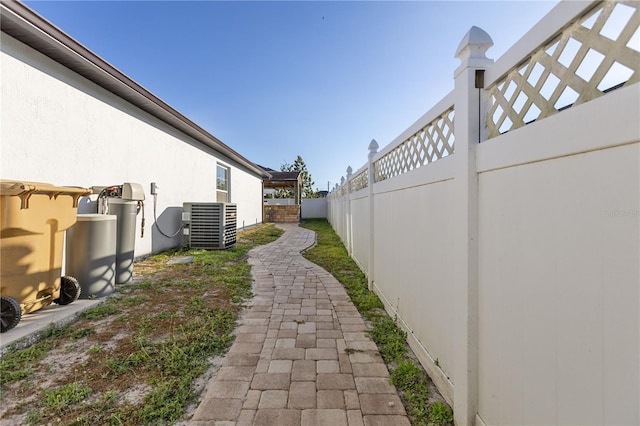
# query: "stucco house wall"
59,127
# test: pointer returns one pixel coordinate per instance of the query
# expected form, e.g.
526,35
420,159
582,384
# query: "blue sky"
274,80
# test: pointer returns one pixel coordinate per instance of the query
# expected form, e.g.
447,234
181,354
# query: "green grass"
33,417
83,332
101,311
411,380
439,414
407,376
390,338
135,300
61,399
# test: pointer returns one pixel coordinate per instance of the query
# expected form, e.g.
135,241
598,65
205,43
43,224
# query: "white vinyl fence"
502,228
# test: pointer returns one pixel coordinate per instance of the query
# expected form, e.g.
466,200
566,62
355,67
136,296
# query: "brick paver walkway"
302,355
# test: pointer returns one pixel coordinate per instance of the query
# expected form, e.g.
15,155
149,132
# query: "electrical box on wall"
209,225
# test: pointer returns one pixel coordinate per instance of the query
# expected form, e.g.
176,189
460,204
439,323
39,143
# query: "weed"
146,325
122,318
101,311
196,306
62,398
164,256
83,332
141,341
109,397
19,365
145,285
391,340
439,414
135,300
350,351
161,316
407,375
166,402
33,417
117,366
56,332
411,380
10,375
123,365
238,283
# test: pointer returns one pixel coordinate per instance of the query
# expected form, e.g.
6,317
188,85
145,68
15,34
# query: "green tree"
307,183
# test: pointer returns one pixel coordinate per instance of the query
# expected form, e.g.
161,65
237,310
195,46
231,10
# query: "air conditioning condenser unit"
209,226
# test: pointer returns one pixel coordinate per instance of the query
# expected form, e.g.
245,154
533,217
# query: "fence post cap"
474,44
349,171
373,146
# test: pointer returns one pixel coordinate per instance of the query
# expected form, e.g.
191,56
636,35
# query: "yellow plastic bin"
33,218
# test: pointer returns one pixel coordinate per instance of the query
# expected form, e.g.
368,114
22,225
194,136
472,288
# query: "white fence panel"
558,288
413,264
314,208
361,230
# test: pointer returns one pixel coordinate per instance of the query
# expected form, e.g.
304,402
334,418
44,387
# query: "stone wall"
282,214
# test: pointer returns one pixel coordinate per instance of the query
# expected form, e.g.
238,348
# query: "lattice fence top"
360,181
433,142
597,53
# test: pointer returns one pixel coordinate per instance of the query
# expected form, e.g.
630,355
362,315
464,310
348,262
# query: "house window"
222,184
